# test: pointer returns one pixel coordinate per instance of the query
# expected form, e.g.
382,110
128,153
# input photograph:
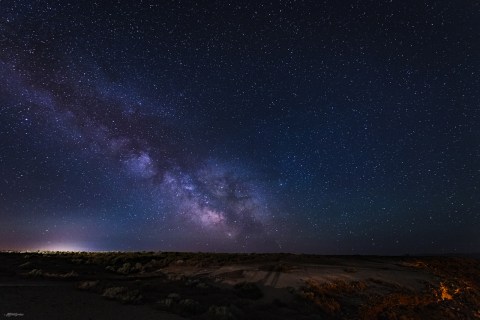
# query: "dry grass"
452,290
454,296
123,294
328,296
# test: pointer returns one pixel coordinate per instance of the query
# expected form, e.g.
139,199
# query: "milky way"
295,126
215,199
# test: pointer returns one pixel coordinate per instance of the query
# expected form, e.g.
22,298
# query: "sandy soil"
226,286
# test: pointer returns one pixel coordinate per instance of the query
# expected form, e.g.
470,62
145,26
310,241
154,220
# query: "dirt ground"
170,285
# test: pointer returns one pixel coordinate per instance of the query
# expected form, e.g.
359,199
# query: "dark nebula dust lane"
296,126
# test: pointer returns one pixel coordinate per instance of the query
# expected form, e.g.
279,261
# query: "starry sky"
329,127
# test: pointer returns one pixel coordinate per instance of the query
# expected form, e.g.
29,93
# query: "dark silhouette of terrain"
172,285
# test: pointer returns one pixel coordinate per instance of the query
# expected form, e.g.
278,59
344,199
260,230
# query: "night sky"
329,127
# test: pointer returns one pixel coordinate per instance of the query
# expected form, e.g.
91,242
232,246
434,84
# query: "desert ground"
173,285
